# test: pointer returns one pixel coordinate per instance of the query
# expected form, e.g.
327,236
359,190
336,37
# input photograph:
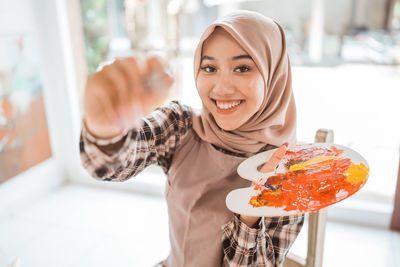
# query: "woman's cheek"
203,88
259,91
200,87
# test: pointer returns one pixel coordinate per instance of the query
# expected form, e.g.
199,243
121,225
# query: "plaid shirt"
154,143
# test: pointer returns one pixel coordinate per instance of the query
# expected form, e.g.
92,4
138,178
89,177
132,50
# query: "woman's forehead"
220,41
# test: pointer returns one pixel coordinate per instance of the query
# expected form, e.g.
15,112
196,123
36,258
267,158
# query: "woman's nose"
223,84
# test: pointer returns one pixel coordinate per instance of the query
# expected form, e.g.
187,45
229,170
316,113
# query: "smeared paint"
317,177
357,174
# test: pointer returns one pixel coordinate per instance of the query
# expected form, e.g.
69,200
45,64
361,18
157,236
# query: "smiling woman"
242,73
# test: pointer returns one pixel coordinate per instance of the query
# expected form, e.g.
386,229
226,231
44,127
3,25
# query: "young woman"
242,74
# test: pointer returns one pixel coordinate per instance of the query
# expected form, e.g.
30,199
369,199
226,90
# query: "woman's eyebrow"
234,58
207,57
242,56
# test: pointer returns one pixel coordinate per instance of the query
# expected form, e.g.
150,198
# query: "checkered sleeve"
127,155
266,245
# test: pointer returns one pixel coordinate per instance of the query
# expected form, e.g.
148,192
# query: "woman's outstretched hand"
269,166
120,93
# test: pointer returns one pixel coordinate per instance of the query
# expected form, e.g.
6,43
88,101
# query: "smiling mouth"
227,106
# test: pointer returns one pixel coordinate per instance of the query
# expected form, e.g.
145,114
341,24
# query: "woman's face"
229,83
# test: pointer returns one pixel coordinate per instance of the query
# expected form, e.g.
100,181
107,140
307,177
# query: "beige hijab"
275,122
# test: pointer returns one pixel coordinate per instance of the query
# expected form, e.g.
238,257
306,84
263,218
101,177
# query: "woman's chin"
227,126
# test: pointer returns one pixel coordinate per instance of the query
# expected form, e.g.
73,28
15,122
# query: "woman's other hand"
120,93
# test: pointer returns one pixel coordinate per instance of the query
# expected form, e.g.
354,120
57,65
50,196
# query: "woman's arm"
264,245
152,143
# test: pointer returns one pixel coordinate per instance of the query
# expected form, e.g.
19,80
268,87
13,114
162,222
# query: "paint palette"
308,178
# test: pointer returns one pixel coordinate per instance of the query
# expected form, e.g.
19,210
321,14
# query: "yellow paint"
303,166
357,174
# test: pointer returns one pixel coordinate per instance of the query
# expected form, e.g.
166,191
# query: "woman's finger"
117,84
154,64
130,67
271,164
157,75
99,109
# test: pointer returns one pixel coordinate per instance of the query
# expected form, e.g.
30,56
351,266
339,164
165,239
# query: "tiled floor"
79,226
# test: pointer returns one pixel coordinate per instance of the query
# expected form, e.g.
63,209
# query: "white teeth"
227,105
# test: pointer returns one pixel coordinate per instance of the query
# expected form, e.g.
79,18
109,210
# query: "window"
24,135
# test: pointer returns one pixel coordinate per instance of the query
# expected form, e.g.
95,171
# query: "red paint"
308,190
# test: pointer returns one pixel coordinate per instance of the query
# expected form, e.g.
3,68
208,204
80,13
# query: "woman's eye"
242,69
208,69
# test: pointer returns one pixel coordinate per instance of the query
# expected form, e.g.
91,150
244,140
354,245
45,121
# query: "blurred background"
346,77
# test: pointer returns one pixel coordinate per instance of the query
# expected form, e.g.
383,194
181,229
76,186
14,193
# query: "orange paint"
317,177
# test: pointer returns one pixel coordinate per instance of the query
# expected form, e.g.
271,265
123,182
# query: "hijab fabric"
275,122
